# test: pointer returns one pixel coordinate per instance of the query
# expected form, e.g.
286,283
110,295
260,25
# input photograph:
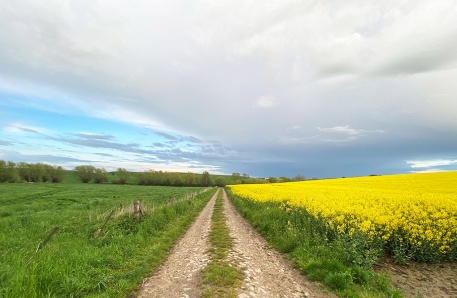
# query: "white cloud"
266,102
428,171
336,134
20,128
347,130
431,163
342,129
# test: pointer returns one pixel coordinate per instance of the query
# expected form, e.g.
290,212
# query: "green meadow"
75,263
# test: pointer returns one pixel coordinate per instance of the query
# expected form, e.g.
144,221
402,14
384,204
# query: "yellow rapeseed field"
418,210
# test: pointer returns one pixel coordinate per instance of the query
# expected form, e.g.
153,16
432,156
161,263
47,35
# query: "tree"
176,179
85,173
122,176
245,178
190,179
206,179
143,178
37,172
8,172
272,179
24,171
299,178
47,171
100,176
57,174
236,177
284,179
220,181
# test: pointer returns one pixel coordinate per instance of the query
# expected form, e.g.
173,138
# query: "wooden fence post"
137,209
99,231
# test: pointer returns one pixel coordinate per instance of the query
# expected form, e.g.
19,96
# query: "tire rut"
179,276
267,273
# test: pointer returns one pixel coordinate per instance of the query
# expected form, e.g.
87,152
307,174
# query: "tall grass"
74,263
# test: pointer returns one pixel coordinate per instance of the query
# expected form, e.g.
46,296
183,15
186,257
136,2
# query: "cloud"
343,129
5,143
429,171
46,158
176,149
166,136
348,132
431,163
88,135
18,128
266,102
240,72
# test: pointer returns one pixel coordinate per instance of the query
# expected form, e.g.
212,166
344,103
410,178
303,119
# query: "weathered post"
137,209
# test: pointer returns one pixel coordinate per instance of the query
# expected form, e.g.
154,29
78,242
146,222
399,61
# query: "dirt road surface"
267,273
179,276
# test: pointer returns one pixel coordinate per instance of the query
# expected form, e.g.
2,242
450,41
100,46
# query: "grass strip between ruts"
220,278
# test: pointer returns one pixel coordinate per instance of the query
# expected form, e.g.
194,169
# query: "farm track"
179,276
266,272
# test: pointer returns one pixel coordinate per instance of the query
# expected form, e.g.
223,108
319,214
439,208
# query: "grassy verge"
329,262
220,278
73,263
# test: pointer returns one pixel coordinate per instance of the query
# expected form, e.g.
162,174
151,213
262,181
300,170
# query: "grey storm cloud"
5,143
47,158
203,153
93,136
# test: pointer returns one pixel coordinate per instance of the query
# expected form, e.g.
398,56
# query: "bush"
85,173
8,172
57,174
122,176
100,176
220,181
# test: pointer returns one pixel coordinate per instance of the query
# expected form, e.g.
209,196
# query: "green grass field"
74,263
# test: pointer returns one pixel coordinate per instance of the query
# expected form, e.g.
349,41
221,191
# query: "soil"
422,280
266,272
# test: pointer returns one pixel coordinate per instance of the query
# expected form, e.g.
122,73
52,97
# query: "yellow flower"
420,207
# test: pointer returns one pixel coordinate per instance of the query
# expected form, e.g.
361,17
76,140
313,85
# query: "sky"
267,88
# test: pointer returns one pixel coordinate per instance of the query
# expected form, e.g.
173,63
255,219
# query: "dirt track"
267,274
179,276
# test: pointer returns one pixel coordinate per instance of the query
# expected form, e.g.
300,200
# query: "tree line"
153,177
88,173
30,172
11,172
244,178
38,172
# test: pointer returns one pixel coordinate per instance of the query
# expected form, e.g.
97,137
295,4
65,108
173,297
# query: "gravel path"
180,274
267,273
